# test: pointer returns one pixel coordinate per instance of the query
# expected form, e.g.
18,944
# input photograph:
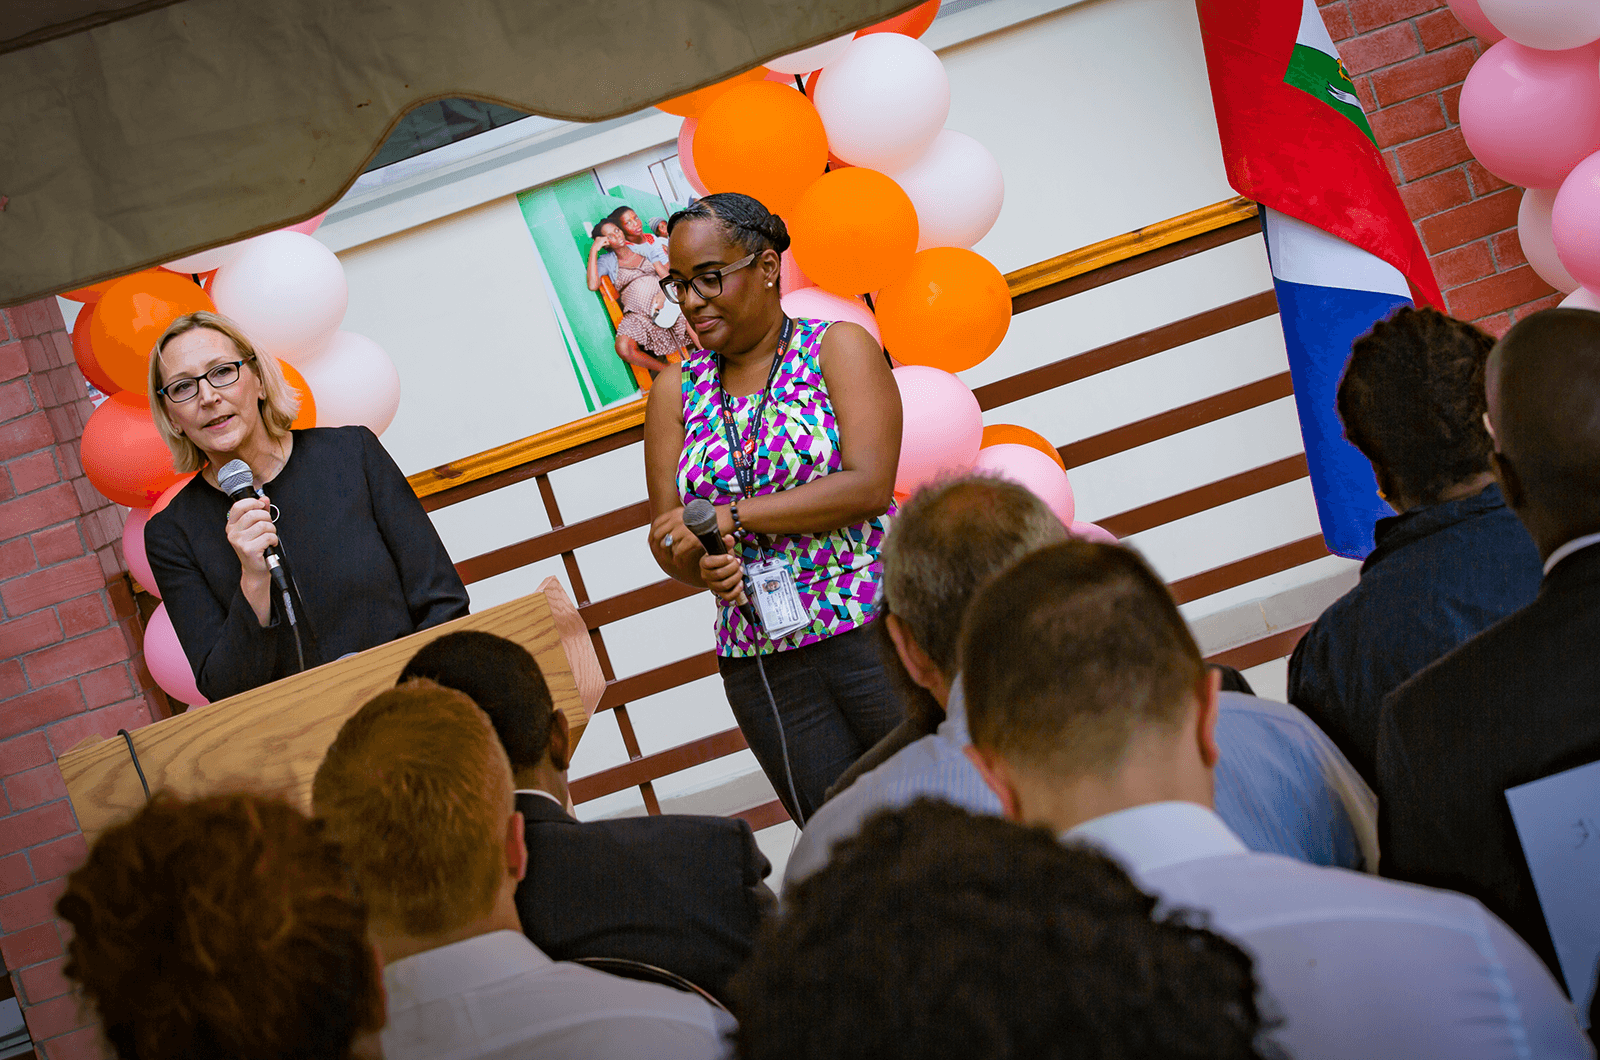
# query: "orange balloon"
307,416
124,457
131,316
693,104
854,230
761,139
913,23
1011,434
89,294
83,352
171,492
949,312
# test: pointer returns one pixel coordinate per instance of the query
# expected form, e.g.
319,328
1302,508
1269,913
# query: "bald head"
1543,390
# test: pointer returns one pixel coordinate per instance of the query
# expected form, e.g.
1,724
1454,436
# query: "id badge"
770,586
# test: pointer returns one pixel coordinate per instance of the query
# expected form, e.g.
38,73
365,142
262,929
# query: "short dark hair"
221,926
935,933
502,678
1069,652
748,223
1412,401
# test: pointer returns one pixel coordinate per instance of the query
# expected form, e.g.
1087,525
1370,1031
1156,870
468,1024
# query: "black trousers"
835,700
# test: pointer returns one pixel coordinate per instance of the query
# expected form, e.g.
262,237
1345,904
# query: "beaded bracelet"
738,527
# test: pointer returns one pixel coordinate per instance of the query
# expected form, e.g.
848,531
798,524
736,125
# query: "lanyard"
743,450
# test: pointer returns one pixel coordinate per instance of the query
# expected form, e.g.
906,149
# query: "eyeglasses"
707,284
220,376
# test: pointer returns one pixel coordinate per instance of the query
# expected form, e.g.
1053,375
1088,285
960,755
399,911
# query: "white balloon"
957,188
287,291
1549,25
1533,231
883,101
354,382
1582,298
813,58
207,260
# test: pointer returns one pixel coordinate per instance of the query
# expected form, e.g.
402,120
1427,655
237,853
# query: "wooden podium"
271,739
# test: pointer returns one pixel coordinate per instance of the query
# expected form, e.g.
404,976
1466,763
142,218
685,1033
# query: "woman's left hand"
724,575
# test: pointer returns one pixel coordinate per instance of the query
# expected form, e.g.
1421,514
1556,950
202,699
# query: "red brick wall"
1408,59
70,664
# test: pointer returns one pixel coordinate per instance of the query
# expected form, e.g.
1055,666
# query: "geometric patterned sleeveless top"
837,573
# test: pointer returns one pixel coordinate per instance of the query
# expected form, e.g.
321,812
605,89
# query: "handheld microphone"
239,483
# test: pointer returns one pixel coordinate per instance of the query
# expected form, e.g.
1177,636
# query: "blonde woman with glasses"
364,563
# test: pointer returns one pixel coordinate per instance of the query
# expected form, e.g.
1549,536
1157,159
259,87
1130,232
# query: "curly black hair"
748,223
1412,401
935,933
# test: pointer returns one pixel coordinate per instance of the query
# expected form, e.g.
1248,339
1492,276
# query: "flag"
1343,250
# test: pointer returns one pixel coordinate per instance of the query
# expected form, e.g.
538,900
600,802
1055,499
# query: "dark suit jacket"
683,893
1519,702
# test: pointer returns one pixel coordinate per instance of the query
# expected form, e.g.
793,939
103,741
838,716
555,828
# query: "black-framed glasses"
707,284
220,376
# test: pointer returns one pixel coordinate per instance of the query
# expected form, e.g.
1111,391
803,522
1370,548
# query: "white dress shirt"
1568,549
1357,968
497,997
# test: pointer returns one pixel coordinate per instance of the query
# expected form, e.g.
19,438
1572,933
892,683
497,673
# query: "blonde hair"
417,791
279,404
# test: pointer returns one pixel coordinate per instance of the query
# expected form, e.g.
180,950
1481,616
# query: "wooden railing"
535,457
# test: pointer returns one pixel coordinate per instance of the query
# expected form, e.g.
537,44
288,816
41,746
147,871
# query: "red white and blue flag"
1343,250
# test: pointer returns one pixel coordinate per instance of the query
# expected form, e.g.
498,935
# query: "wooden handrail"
1023,281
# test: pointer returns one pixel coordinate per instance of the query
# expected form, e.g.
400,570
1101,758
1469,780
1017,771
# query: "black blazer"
681,892
1519,702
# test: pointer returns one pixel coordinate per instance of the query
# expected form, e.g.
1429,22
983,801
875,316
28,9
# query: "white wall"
1100,115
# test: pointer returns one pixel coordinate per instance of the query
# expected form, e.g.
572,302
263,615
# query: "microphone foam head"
234,476
700,516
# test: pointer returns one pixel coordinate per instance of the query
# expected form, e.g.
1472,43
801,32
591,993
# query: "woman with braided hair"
791,428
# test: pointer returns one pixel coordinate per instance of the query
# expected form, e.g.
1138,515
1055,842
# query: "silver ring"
666,542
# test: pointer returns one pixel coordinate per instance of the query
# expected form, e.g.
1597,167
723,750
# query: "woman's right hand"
724,574
598,245
251,533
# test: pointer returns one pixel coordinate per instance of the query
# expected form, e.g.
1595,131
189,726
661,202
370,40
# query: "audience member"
680,892
1451,564
222,927
1281,783
934,933
1105,732
418,794
1516,703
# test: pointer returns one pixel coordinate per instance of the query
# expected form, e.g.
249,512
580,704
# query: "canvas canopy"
136,131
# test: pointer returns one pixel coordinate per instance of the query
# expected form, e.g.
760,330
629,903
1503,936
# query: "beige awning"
137,131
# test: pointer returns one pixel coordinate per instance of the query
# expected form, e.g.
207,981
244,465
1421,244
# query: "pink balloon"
164,657
1575,222
355,382
1091,532
1582,298
686,154
791,277
943,426
1530,116
1533,232
309,225
1027,466
816,304
133,551
1470,15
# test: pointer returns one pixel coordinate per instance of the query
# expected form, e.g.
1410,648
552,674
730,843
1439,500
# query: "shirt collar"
546,794
1158,834
1568,549
954,726
1397,531
460,967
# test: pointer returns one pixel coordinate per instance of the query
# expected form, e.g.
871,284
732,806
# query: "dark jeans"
835,701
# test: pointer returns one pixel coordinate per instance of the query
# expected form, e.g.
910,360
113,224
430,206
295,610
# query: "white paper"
1558,821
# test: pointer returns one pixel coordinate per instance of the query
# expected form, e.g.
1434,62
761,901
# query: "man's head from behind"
225,926
936,933
1085,690
1543,391
947,540
1411,400
503,679
417,791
